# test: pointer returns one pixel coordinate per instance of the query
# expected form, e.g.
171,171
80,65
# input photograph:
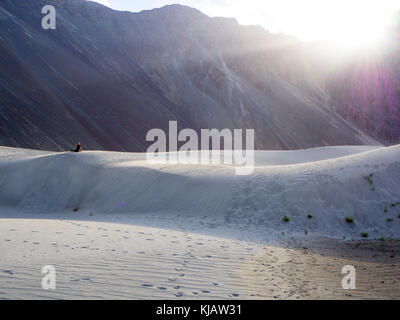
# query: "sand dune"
115,226
329,184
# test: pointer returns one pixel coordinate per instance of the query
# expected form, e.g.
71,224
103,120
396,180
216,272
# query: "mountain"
366,89
106,77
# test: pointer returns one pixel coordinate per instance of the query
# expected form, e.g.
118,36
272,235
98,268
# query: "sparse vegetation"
305,231
398,216
389,220
370,181
369,178
285,219
386,209
381,239
364,234
349,219
309,216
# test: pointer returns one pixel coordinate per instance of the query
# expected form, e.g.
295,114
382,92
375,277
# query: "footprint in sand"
7,240
215,284
162,288
205,291
235,294
172,279
81,279
141,252
177,287
179,294
147,285
8,271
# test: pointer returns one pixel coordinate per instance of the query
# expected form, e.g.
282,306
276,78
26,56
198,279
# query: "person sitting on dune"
78,148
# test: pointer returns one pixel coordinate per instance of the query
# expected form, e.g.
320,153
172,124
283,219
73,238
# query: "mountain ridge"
106,77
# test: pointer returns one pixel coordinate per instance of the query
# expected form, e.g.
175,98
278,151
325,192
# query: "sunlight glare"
347,23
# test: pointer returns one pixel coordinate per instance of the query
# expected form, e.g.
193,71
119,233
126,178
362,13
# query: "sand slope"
197,231
328,183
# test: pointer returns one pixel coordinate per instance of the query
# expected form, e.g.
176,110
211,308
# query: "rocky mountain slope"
366,89
105,77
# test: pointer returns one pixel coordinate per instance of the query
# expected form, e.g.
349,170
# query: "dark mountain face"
105,78
366,89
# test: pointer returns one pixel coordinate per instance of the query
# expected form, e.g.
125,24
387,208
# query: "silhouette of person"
78,148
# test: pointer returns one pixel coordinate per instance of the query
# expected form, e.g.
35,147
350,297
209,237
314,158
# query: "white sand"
147,231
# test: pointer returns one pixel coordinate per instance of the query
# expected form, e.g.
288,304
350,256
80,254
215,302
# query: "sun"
348,24
359,30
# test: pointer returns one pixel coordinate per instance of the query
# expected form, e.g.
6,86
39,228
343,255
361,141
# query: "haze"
349,24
